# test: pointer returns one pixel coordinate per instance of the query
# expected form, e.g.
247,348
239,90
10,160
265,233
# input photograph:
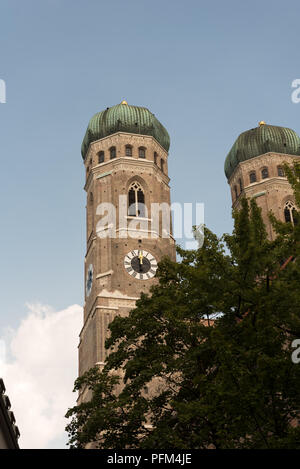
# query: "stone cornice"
261,188
116,164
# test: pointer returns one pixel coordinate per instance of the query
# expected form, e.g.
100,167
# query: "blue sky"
207,70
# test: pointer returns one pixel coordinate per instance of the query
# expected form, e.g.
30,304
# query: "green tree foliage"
205,360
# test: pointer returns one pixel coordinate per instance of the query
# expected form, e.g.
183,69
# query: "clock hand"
140,256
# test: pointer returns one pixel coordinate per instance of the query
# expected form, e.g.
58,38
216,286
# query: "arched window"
101,157
142,152
128,150
136,200
280,171
252,177
90,214
290,213
162,165
241,185
235,192
264,173
155,157
113,152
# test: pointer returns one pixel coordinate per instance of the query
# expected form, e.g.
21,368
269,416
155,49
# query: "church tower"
254,168
125,153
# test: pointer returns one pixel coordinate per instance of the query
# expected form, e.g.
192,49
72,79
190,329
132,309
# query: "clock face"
140,264
89,280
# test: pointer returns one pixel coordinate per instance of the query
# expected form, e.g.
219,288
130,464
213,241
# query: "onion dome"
124,118
260,140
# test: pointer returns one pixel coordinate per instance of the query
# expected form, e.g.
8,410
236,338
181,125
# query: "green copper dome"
262,139
124,118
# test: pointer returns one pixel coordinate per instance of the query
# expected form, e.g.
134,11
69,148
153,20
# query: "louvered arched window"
142,152
128,150
101,157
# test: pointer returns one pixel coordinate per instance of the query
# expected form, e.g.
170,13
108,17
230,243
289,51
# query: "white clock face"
89,280
140,264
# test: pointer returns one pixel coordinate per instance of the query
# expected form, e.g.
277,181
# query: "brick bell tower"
254,168
125,153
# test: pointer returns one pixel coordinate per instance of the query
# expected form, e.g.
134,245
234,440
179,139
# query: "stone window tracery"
136,200
290,212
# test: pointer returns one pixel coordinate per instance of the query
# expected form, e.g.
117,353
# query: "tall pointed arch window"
90,214
136,200
290,213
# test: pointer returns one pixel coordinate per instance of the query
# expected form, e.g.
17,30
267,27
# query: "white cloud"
39,369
